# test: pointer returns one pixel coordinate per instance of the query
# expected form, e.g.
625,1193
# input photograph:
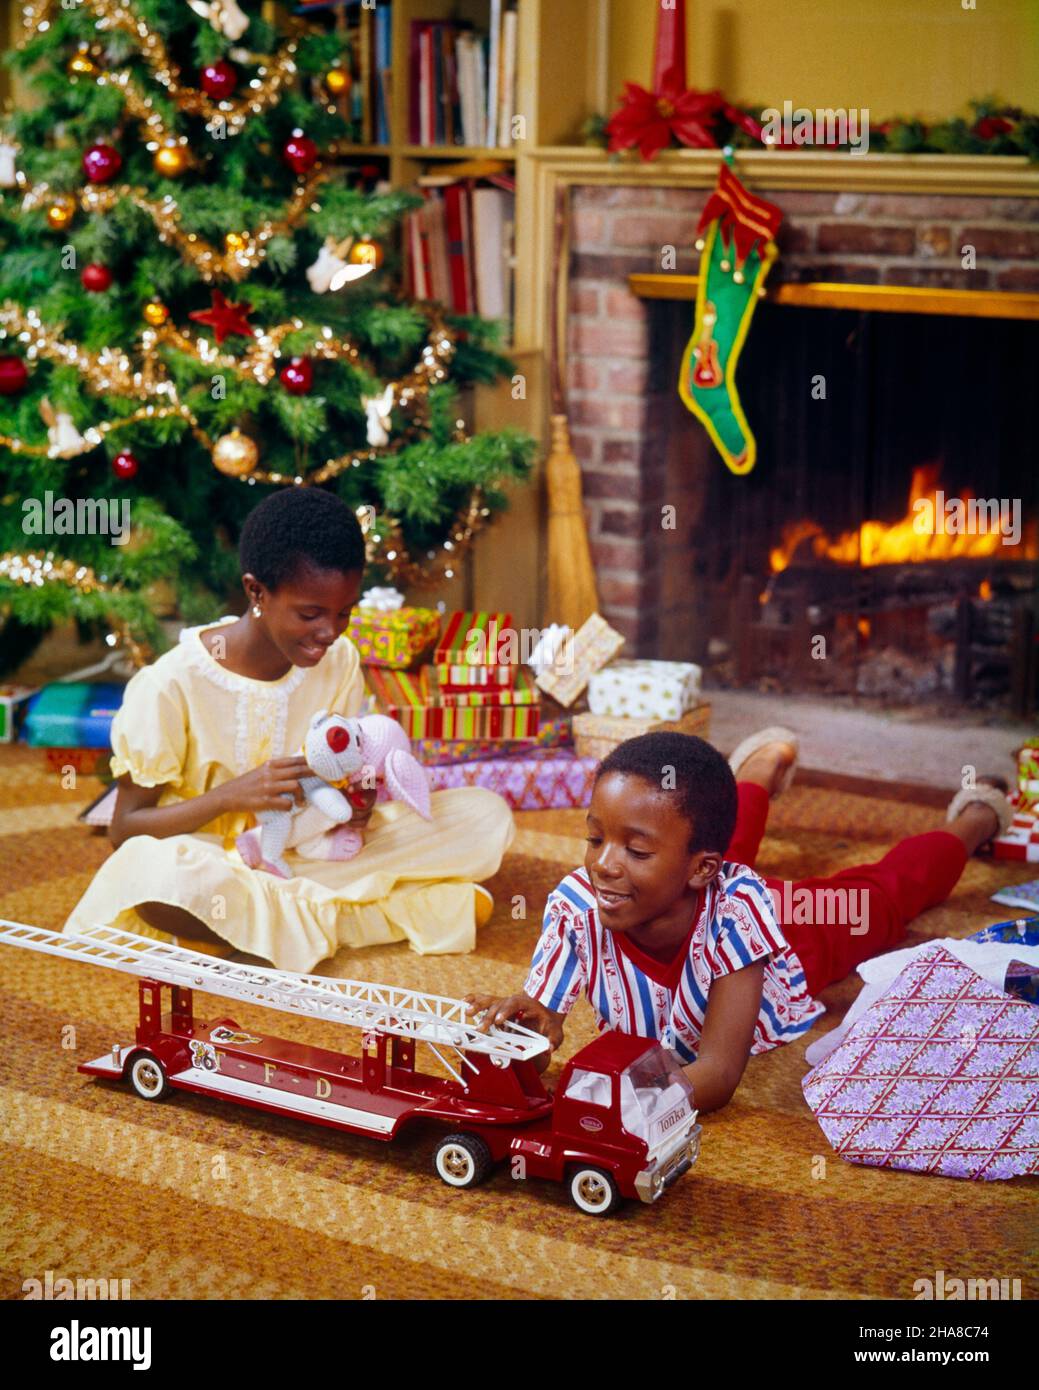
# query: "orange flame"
914,538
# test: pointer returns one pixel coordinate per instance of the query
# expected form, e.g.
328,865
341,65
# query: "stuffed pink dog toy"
339,752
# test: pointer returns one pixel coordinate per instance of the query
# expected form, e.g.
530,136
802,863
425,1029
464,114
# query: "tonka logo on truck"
590,1123
672,1118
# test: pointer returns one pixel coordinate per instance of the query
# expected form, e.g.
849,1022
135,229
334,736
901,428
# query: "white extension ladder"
404,1013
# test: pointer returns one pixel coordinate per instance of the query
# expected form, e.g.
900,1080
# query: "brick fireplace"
639,453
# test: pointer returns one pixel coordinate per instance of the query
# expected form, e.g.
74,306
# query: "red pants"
835,923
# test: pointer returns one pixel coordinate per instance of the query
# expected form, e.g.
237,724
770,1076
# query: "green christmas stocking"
737,254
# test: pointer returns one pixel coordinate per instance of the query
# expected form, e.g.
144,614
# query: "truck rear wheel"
592,1190
148,1077
463,1160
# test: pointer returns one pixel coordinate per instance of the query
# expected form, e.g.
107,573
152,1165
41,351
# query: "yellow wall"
896,57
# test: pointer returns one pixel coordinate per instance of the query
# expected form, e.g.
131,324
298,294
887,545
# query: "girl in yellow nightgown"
209,734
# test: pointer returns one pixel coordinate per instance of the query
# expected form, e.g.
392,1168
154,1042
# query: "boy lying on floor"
670,937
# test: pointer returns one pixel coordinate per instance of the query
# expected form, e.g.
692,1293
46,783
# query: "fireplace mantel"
544,170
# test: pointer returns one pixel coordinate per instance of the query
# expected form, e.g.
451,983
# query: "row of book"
458,247
463,82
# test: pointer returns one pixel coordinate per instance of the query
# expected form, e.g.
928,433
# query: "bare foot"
977,823
767,767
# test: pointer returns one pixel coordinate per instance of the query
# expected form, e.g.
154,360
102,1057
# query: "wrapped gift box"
522,692
474,639
1021,841
401,695
553,781
935,1076
13,699
396,638
644,689
595,735
591,647
72,715
1028,776
552,733
473,677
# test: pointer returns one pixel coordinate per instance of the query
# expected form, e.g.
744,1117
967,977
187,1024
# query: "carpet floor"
198,1198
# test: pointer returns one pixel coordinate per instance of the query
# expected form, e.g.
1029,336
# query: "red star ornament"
225,319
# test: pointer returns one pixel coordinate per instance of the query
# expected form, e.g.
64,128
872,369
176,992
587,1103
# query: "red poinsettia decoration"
991,126
650,120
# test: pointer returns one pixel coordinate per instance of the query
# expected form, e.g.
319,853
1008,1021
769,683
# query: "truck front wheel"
148,1077
593,1191
463,1160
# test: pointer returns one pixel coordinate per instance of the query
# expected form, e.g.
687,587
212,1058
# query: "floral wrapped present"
576,660
937,1075
386,633
595,735
549,782
523,691
403,696
645,689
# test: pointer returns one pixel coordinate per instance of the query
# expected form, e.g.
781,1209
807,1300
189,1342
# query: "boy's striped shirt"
736,926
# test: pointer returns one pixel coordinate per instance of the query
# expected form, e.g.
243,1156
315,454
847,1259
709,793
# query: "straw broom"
572,595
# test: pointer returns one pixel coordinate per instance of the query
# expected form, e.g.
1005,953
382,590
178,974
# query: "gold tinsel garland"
115,372
235,262
231,114
38,570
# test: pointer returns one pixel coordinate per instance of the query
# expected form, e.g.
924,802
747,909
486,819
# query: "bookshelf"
562,53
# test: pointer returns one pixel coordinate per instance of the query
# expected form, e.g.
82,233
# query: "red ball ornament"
101,163
125,465
96,278
299,153
219,80
297,376
13,375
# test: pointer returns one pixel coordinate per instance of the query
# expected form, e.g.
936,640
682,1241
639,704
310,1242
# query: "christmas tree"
197,304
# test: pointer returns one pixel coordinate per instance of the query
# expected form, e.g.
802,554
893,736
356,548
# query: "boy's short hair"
296,527
702,782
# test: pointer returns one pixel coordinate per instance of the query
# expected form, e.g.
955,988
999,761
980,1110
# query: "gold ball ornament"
235,242
170,161
155,313
366,252
235,454
61,212
338,81
81,64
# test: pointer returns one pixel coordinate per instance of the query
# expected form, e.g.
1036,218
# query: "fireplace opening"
885,546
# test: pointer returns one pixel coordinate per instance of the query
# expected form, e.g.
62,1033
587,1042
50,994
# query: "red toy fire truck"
620,1124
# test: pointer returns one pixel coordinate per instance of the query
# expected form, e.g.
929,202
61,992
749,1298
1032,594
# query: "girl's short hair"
298,527
689,769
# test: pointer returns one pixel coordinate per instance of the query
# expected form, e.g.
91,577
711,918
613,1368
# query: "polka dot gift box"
644,689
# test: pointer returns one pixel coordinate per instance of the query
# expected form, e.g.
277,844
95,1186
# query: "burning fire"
903,542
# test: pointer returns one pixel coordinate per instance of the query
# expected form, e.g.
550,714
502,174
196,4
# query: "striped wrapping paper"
467,677
473,639
524,692
400,695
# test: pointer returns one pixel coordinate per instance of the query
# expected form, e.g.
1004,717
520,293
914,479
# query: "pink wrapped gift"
545,782
938,1075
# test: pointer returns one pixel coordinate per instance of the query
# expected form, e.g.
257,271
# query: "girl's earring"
257,611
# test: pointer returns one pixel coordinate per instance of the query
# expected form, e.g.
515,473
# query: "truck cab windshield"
655,1096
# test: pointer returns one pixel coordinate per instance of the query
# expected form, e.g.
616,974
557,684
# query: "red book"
414,80
454,202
